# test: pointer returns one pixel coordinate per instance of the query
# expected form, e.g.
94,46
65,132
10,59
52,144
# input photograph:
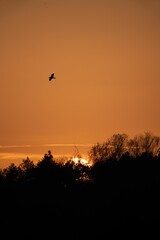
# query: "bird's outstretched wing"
51,77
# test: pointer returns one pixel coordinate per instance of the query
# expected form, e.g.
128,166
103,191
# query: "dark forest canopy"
117,196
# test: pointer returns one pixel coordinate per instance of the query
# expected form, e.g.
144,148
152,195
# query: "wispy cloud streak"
15,146
48,145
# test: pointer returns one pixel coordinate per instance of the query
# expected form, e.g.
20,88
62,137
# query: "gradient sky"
105,55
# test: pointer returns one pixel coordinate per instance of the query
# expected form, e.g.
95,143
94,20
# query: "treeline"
120,144
117,196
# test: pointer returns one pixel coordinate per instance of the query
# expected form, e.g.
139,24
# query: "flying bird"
52,77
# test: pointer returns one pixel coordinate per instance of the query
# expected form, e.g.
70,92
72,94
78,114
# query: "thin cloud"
15,156
48,145
7,158
66,145
16,146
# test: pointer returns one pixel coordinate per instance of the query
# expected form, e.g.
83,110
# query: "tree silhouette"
146,142
113,147
12,172
115,197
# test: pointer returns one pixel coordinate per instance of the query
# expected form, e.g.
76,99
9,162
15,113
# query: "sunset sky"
106,58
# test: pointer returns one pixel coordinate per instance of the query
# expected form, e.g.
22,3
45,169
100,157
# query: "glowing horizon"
21,152
105,56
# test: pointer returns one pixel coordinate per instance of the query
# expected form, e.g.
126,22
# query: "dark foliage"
117,197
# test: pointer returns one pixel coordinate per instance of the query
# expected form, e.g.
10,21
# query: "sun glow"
81,160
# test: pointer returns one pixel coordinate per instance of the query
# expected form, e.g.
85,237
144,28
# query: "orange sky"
105,55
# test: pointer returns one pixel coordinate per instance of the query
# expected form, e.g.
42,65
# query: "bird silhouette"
52,77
